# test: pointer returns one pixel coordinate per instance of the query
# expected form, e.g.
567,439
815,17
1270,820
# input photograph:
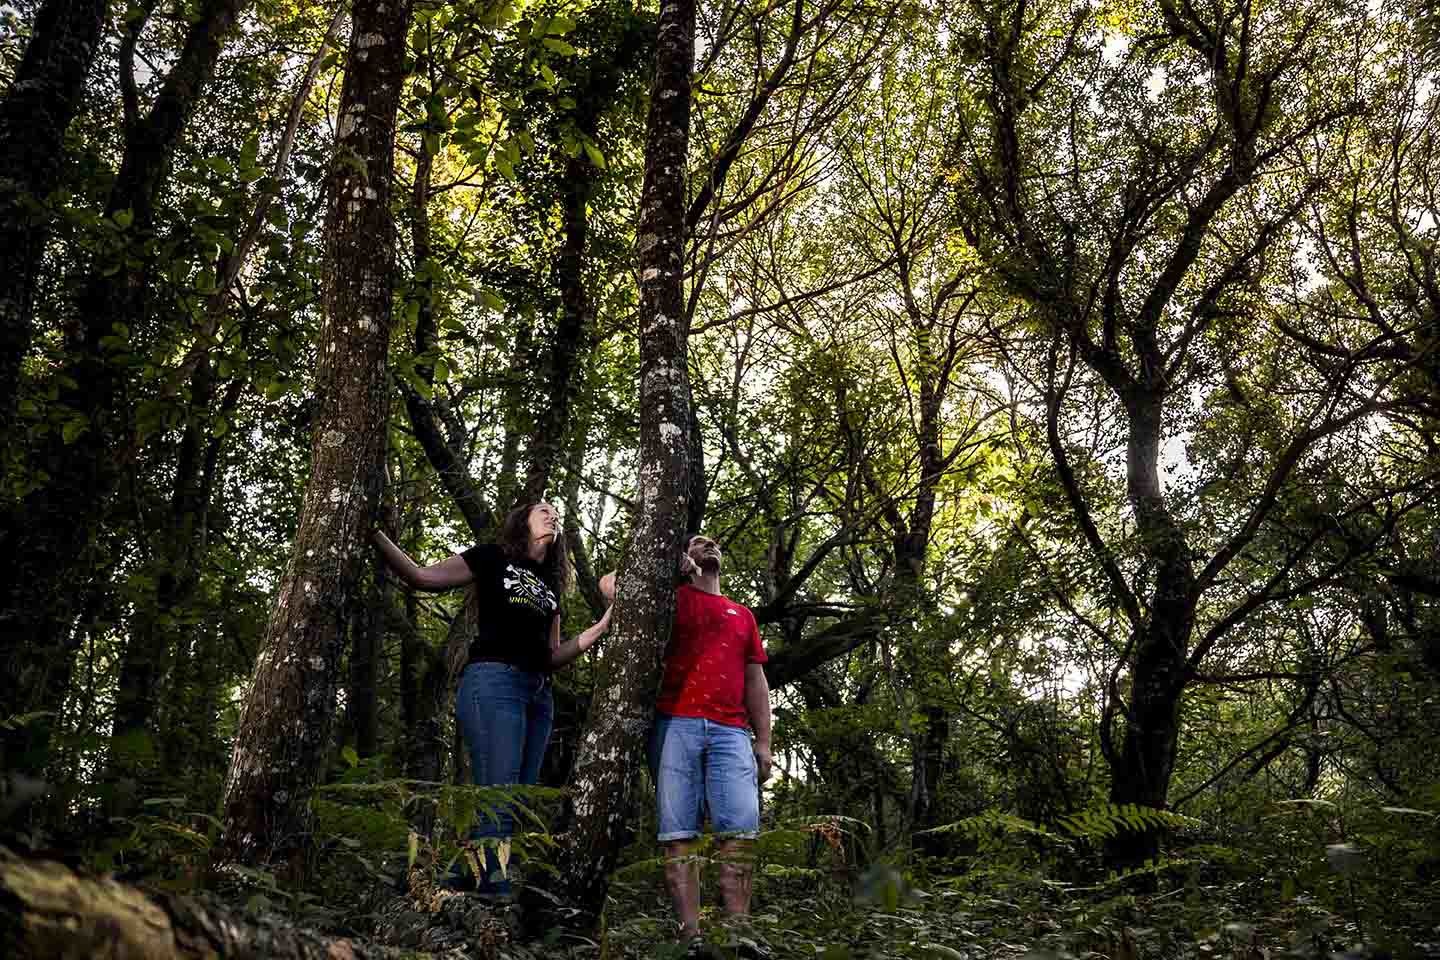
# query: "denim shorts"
699,764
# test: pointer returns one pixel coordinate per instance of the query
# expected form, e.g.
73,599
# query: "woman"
504,707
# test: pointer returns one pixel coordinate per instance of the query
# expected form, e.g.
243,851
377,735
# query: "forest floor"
964,909
882,914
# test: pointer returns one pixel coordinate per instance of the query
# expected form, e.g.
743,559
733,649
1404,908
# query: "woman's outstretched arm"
563,651
453,571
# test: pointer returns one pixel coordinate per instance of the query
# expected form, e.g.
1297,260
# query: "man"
702,755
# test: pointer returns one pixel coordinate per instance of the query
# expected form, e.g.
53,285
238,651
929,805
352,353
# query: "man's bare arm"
757,705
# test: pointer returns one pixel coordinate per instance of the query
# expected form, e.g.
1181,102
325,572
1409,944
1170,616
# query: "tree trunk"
926,767
412,657
437,681
158,626
586,580
367,632
911,549
547,439
1140,771
613,743
157,633
50,912
442,452
49,535
37,109
284,730
514,415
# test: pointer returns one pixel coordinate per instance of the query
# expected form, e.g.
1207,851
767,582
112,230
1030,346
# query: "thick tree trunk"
50,912
285,723
36,111
1140,771
613,742
49,535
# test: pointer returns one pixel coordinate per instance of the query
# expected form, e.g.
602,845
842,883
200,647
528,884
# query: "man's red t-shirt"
713,640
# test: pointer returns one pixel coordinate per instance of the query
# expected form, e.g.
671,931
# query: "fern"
1110,820
992,822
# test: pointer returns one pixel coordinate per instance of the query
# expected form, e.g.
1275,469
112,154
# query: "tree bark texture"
34,115
612,744
285,723
48,536
50,912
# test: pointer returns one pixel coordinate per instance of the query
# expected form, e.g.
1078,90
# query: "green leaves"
489,298
73,428
1110,820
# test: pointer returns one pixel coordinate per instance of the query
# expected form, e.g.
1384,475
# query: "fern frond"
1110,820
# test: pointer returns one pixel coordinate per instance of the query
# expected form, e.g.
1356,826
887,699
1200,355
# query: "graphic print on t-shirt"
516,609
524,588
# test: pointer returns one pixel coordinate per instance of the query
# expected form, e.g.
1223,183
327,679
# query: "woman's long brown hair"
514,540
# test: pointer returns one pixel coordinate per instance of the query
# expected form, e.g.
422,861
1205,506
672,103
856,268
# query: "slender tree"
285,724
613,741
158,623
1131,292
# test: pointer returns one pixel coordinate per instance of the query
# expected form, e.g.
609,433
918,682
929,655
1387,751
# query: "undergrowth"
1304,879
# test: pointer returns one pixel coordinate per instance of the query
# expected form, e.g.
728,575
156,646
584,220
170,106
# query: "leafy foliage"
1065,380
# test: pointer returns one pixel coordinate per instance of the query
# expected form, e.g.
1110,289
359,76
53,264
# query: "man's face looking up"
705,552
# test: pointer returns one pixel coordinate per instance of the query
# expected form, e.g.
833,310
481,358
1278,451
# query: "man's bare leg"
682,879
737,866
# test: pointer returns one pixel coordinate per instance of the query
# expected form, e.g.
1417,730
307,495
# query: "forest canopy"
1060,379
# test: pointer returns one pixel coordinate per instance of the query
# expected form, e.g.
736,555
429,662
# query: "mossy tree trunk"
285,724
613,742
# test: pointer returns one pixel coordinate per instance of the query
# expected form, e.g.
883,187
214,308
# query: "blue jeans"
505,714
699,764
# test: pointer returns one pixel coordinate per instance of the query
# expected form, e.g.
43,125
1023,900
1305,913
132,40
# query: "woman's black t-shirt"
515,607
